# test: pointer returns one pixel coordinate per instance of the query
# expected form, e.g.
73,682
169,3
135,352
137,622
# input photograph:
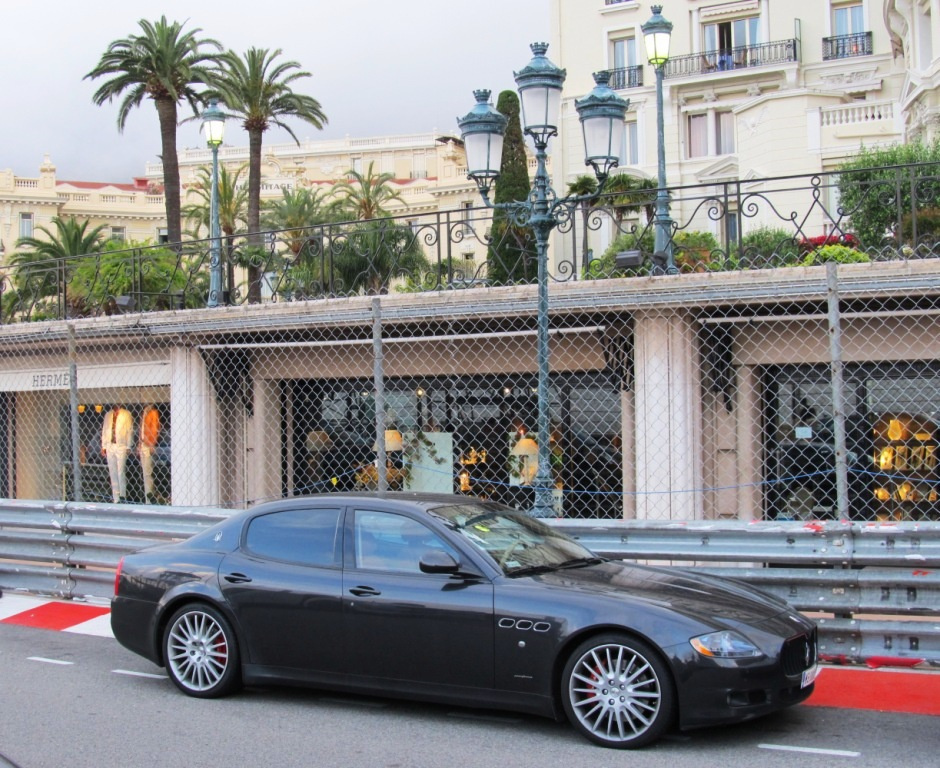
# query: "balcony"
745,57
846,46
626,77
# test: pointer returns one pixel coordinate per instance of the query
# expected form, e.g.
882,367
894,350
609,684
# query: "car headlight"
725,645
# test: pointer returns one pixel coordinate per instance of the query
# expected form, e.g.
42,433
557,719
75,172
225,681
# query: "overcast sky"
379,67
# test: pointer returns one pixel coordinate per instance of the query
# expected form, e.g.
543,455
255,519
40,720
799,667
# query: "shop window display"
472,435
124,452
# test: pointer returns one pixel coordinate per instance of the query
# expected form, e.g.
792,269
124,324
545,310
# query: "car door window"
303,536
388,542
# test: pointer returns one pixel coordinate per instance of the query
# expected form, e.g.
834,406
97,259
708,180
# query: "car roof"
397,499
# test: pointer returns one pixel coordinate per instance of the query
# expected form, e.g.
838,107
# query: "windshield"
518,543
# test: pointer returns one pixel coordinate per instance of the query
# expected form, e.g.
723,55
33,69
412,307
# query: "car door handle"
365,591
237,578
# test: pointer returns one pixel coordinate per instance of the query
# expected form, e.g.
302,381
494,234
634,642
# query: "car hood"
704,598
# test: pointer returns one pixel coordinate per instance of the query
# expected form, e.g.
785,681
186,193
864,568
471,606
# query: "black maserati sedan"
461,601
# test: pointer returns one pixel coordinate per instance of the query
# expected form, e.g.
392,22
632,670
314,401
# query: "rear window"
303,536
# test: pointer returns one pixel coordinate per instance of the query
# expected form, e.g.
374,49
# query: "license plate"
809,676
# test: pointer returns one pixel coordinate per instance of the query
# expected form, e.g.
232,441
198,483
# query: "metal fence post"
73,417
838,394
379,382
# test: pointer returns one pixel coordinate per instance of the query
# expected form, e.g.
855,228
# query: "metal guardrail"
873,588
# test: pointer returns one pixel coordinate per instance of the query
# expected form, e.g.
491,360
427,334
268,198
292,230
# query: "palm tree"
297,210
233,211
374,253
163,64
258,89
40,264
628,194
365,196
233,199
584,185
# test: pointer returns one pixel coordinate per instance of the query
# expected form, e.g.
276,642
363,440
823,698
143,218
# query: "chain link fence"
775,378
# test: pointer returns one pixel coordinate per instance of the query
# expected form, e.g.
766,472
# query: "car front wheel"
618,692
200,652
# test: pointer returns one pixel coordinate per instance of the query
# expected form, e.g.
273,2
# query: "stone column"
668,450
194,453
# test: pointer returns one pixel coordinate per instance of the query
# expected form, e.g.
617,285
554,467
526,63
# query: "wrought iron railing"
845,46
876,214
743,57
626,77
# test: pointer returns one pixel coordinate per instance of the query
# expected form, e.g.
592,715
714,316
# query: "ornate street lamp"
656,34
213,126
602,115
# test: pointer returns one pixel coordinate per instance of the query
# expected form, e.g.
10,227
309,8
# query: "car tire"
201,652
618,692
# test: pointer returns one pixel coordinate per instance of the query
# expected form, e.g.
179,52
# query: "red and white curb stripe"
59,615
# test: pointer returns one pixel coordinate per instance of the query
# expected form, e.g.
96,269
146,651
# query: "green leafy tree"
364,196
258,88
42,265
163,64
155,277
512,256
876,183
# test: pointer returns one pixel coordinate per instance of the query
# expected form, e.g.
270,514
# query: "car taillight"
117,575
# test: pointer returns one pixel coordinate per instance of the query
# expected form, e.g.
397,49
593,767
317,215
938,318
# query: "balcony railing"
626,77
845,46
714,62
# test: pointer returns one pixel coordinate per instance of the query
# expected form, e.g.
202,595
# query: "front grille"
799,653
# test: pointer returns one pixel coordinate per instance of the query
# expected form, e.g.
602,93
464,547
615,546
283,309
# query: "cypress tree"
512,257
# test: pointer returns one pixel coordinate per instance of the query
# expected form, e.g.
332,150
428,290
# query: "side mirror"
438,561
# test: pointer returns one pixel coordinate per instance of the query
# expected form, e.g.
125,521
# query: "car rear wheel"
200,652
618,692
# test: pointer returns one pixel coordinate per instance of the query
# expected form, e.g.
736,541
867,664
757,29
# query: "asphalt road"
76,701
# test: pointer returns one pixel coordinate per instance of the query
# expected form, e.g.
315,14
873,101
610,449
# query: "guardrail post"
381,464
73,417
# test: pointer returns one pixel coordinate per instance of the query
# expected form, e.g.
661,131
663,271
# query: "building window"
118,234
698,135
357,164
724,133
625,72
849,37
630,149
726,43
419,166
163,236
711,133
26,225
848,20
466,214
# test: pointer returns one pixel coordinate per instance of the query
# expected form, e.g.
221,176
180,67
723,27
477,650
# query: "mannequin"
149,434
117,438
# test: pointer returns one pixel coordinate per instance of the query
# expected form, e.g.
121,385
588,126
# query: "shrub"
810,244
841,254
605,266
769,247
694,248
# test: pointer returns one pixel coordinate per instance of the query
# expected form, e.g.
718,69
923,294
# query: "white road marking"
100,626
138,674
50,661
811,750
